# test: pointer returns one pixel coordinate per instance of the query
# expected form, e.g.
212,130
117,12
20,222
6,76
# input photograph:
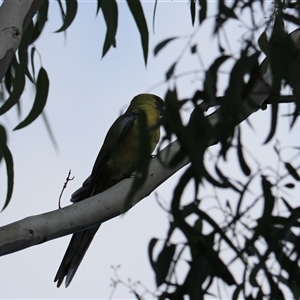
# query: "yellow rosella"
116,160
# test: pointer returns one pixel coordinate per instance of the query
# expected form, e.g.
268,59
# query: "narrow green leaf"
5,153
263,43
163,263
211,76
170,72
235,295
154,13
110,14
291,18
150,251
162,44
241,158
287,204
194,49
274,115
3,137
42,88
18,84
99,4
292,171
23,50
193,10
289,185
69,15
140,20
278,48
269,201
202,11
62,11
42,18
9,76
252,277
32,52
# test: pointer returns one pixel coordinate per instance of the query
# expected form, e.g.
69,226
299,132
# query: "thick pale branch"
97,209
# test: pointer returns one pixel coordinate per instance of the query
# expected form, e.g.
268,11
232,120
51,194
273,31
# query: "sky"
87,93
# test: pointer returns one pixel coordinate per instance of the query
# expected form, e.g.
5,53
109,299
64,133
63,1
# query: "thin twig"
64,186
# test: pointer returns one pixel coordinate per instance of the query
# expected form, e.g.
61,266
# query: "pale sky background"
87,94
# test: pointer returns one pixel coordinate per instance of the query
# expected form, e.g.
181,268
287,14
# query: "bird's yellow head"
147,99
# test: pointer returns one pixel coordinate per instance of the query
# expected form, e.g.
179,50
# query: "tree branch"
94,210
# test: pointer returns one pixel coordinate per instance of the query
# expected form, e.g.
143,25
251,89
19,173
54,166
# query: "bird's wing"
81,240
113,137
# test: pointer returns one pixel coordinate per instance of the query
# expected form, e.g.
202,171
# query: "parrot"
116,160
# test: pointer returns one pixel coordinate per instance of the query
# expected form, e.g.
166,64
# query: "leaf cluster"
265,246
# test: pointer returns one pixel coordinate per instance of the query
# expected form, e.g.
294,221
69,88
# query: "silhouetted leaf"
23,50
171,70
289,185
291,18
193,10
287,204
278,49
139,17
274,113
210,83
163,263
150,251
269,201
42,88
202,10
3,137
194,49
252,277
6,155
263,43
99,3
154,13
41,19
235,295
223,15
292,171
235,94
242,161
18,84
162,44
32,62
110,13
69,15
217,229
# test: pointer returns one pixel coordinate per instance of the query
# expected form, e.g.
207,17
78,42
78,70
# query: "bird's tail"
78,245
